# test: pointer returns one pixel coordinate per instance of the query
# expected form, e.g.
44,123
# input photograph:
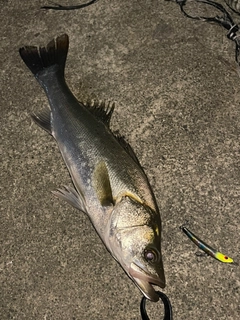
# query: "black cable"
60,7
167,307
225,21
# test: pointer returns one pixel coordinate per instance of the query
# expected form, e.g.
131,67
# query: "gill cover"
134,240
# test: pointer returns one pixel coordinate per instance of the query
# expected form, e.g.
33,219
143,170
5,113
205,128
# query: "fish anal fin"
43,119
101,184
70,195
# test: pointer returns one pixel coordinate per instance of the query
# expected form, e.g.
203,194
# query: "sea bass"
110,186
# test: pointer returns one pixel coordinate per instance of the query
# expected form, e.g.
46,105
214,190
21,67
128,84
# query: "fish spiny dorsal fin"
104,111
101,110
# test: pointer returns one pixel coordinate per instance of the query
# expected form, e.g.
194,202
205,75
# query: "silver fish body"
110,185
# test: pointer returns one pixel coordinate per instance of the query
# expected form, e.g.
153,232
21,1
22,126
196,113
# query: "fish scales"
109,183
82,128
106,148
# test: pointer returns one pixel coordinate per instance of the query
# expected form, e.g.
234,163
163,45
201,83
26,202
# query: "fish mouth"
145,282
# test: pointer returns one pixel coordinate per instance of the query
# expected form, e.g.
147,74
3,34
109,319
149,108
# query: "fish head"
135,242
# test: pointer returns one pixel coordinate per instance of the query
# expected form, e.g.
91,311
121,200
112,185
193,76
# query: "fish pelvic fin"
38,59
101,184
43,119
70,195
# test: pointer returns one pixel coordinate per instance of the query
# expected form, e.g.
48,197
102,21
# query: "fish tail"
40,59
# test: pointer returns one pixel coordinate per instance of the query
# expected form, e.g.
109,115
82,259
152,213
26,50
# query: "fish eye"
150,255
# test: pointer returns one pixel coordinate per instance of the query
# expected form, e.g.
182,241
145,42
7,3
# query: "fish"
109,184
206,248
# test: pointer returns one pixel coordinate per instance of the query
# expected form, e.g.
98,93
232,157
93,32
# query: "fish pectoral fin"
43,119
101,184
70,195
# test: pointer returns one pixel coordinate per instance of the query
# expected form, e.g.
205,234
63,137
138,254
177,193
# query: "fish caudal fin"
39,59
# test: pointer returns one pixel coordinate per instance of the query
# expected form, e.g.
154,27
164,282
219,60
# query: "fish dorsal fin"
127,147
43,119
101,110
101,184
104,111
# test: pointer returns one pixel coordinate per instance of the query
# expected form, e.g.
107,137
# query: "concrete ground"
178,97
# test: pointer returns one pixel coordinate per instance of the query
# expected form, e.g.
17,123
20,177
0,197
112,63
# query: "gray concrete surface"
178,100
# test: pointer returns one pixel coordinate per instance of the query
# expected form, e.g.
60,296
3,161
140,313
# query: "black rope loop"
166,303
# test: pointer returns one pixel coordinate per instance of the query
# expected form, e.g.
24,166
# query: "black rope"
60,7
234,10
225,20
166,303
